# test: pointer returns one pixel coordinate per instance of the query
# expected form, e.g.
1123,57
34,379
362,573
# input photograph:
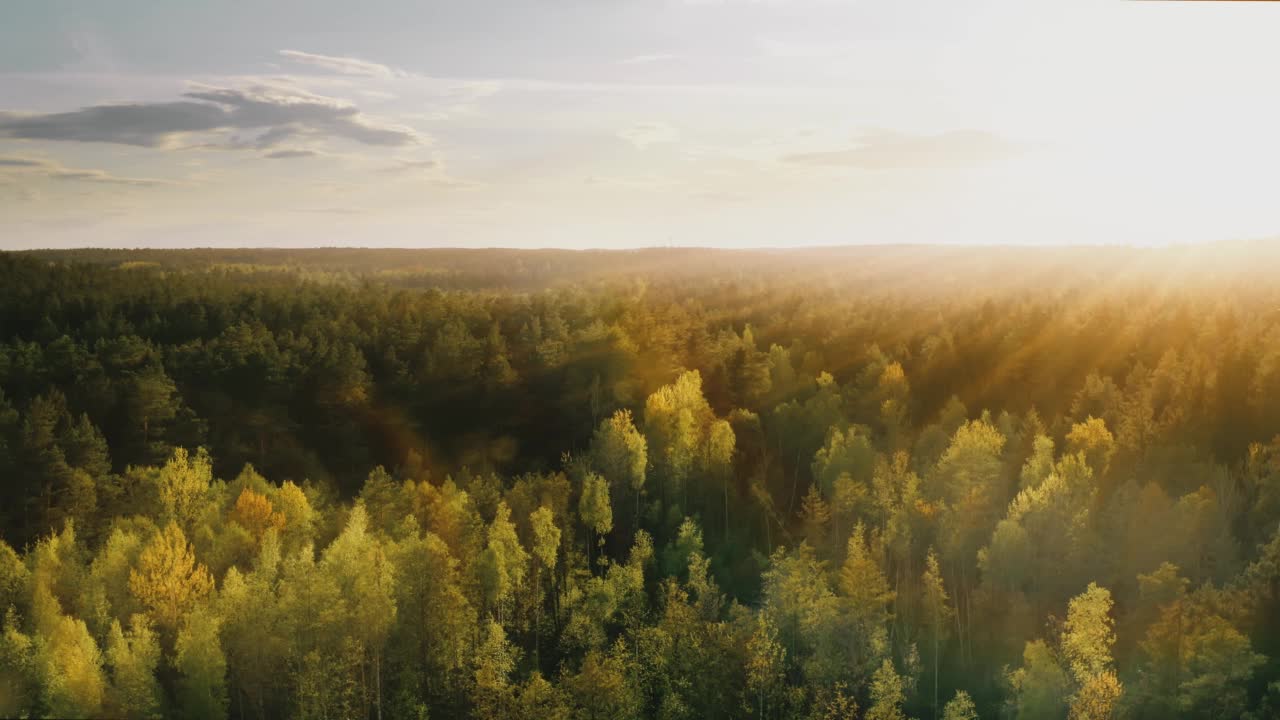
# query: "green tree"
20,681
1040,688
495,660
595,510
765,667
365,577
935,615
621,454
797,595
676,423
71,673
182,487
152,402
202,667
1194,662
960,707
546,548
134,658
1040,465
503,563
600,690
866,598
720,450
887,694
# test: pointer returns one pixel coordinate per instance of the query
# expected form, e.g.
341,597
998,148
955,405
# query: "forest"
892,482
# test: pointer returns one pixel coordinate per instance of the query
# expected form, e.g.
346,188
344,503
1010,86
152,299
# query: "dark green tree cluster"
253,484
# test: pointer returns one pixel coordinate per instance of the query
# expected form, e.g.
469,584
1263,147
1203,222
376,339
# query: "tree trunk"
935,662
377,683
726,508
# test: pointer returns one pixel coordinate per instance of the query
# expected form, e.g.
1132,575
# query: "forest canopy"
872,482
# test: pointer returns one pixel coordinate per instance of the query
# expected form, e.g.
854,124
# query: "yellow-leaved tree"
1087,638
168,580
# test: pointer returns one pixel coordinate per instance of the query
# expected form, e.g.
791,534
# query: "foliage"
340,484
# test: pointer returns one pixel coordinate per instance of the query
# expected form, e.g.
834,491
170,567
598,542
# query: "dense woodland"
852,483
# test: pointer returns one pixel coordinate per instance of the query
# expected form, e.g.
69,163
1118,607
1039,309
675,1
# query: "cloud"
290,154
54,171
340,65
644,134
891,150
21,162
273,111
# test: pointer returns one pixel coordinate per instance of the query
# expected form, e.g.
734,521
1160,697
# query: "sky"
627,123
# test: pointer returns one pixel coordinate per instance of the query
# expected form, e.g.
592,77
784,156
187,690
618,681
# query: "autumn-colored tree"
1092,438
1087,638
255,513
169,581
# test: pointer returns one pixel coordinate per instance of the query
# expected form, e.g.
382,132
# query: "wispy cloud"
290,154
39,167
340,65
893,150
413,165
644,134
274,112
